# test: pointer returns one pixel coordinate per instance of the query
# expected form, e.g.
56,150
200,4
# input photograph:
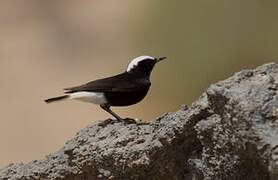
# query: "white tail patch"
91,97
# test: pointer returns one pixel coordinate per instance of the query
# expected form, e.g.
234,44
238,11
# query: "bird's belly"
125,98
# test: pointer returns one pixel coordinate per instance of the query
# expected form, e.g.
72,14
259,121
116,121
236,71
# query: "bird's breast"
125,98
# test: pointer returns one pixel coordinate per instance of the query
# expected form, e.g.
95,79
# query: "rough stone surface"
230,132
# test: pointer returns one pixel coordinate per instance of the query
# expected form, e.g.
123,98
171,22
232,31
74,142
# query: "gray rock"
230,132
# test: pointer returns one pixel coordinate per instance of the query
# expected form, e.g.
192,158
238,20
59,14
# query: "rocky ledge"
230,132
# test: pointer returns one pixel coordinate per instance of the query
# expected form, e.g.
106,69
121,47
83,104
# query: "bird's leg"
106,107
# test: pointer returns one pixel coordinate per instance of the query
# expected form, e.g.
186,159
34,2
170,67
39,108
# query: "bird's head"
143,65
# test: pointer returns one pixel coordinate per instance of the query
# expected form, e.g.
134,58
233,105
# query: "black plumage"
123,89
120,90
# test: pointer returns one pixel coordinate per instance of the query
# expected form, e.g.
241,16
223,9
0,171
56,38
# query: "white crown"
135,62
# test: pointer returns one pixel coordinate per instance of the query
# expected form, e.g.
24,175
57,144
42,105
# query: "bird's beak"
161,58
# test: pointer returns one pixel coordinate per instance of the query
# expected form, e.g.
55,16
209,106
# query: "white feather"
91,97
135,62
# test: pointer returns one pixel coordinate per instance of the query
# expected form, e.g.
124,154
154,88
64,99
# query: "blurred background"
48,45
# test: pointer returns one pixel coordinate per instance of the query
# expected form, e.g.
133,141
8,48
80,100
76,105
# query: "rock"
230,132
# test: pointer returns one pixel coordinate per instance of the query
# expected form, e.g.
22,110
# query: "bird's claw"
129,121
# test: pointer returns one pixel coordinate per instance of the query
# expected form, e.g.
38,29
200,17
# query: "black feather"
50,100
125,82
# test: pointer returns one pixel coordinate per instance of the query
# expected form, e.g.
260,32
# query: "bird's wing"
118,83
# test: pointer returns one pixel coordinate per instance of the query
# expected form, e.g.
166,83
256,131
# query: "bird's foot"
129,121
125,120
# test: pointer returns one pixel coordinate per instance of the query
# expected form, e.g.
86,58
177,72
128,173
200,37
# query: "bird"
124,89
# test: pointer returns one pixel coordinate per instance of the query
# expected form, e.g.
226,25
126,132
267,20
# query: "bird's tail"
59,98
